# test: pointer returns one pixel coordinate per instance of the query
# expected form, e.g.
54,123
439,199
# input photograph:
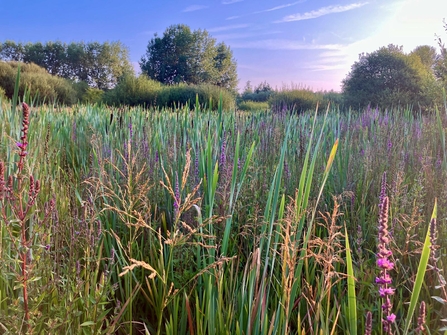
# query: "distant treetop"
193,57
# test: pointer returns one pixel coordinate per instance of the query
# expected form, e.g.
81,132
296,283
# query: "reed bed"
178,221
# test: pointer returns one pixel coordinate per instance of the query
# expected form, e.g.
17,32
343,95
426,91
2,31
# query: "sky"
286,43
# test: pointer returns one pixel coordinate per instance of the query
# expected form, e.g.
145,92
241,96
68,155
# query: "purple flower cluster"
24,138
384,262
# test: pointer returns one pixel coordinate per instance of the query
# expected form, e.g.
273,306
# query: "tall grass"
168,221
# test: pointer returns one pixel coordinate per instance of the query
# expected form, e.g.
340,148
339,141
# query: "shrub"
253,106
182,94
37,82
2,94
298,100
93,95
134,91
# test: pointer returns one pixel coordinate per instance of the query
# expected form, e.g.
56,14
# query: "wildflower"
385,291
391,318
421,318
24,138
384,262
2,179
368,324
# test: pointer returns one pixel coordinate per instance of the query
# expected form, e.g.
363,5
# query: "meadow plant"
22,222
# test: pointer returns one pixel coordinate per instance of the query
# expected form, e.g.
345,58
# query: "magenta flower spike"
385,264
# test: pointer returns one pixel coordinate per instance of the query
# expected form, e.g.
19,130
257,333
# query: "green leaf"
352,302
420,274
87,324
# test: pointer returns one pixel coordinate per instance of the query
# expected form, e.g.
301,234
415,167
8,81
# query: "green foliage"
98,64
142,91
2,94
440,66
248,105
185,95
296,99
37,82
92,95
213,223
388,77
334,98
185,56
134,91
261,93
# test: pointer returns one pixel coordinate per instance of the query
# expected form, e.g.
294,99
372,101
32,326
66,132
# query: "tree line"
386,77
100,65
179,56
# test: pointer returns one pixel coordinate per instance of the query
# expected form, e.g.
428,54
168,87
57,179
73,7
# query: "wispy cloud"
225,28
280,7
321,12
229,2
275,44
232,17
193,8
235,36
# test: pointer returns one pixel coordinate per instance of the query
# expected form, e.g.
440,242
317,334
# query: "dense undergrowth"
171,221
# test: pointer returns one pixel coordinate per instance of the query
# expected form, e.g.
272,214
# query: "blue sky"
287,43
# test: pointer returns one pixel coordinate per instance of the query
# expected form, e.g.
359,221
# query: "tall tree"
382,78
11,51
182,55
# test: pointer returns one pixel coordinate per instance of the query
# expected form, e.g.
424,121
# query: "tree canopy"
440,65
388,77
185,56
100,65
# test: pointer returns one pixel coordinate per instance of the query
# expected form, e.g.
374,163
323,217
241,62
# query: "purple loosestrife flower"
2,179
385,265
421,318
390,145
24,138
368,323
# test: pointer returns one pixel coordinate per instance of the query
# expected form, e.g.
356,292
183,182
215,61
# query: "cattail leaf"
352,302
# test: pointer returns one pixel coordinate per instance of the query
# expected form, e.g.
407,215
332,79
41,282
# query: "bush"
92,95
37,82
253,106
182,94
134,91
263,96
2,94
298,100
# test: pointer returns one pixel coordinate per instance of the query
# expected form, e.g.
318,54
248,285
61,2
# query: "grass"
215,222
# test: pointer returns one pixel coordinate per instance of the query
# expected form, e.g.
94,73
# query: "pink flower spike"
385,264
384,291
391,317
